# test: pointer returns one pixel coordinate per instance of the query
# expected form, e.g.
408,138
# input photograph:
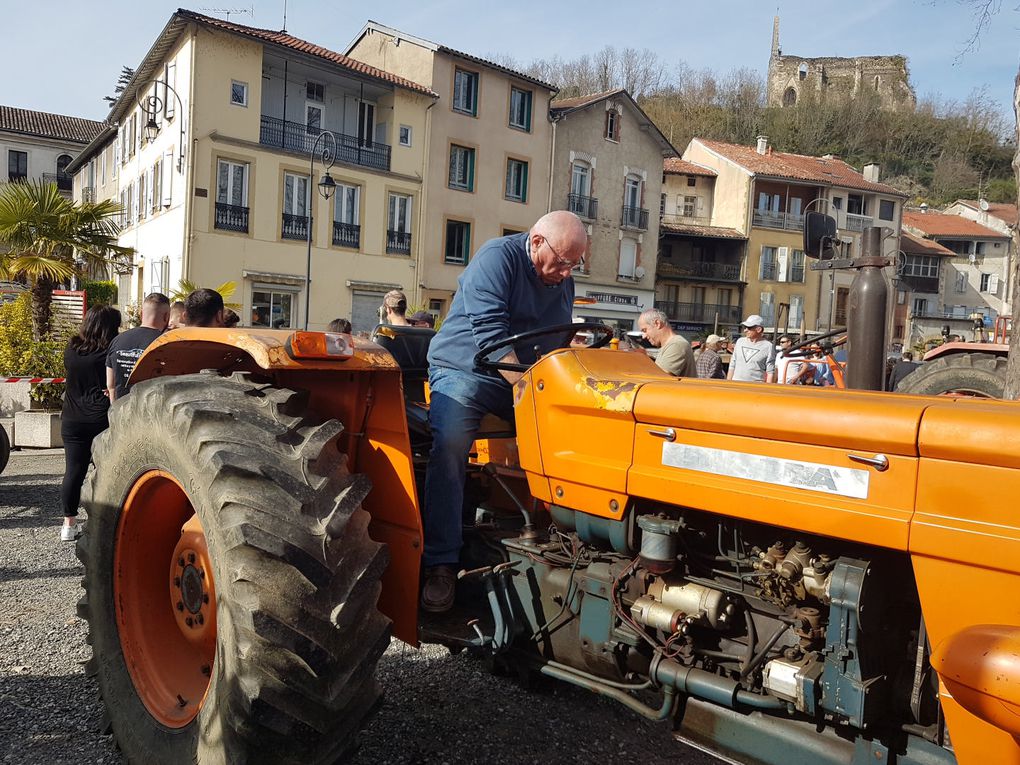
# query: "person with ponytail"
85,405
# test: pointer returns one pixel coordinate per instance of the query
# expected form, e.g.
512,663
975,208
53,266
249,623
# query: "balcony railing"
293,136
699,312
294,226
679,219
232,218
398,242
722,272
858,222
769,219
768,271
64,181
582,206
346,234
635,218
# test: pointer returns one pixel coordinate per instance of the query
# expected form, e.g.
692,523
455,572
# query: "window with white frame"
920,306
797,268
960,284
314,91
232,183
628,258
346,203
986,282
580,179
516,180
238,93
142,191
399,220
405,135
169,102
921,265
313,118
612,125
295,194
690,206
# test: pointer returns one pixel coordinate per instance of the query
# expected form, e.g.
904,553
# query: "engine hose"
752,639
603,688
711,687
760,656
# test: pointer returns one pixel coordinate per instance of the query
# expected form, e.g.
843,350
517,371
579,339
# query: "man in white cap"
709,364
754,357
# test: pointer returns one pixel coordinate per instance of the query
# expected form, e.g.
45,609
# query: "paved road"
439,708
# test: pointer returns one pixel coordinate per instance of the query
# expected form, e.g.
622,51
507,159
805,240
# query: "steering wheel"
483,361
803,348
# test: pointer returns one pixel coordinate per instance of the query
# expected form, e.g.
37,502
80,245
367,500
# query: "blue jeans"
459,401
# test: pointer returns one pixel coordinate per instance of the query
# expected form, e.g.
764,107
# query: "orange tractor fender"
348,379
997,349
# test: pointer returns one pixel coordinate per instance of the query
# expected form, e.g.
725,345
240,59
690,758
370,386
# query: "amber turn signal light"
320,345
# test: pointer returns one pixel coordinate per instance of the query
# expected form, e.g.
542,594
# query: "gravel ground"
439,708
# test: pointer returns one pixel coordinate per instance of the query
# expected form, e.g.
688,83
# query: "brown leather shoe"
439,589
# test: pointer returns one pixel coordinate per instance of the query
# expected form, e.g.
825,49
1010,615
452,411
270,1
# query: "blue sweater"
499,295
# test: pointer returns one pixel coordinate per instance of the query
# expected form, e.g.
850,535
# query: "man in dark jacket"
902,369
127,347
513,284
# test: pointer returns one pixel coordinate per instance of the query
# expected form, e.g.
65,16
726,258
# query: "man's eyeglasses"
562,263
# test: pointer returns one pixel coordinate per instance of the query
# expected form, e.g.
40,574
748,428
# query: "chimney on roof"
871,172
924,207
763,144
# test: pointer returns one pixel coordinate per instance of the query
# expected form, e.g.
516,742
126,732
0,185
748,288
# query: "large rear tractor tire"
966,374
231,585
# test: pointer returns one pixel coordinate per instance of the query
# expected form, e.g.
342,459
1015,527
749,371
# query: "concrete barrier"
37,429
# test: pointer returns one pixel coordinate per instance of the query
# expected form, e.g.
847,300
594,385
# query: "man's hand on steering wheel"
510,367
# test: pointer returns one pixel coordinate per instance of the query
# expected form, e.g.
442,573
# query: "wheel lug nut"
206,670
191,557
180,561
189,621
201,619
180,606
205,597
177,582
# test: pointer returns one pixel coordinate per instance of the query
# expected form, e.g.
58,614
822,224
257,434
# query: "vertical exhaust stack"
763,144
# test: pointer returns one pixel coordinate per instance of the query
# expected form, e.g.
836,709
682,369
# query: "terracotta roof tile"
915,245
303,46
933,224
677,166
45,125
1004,211
713,232
779,164
500,67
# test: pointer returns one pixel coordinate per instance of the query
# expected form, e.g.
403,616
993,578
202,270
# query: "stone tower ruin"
791,78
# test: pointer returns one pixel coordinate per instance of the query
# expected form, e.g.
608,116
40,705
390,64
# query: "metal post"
328,157
866,311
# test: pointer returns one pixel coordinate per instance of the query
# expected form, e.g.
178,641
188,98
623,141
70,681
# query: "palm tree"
49,239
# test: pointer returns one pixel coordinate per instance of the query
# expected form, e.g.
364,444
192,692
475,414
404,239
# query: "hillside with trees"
942,151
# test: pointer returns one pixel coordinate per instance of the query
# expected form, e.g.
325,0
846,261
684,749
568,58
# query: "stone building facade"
791,78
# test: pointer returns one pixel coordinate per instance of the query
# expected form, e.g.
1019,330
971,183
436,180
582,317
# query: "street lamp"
326,188
151,104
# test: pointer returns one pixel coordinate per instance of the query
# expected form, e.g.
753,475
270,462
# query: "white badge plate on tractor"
813,476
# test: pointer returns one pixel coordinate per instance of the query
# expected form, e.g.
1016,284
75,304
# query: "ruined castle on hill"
791,78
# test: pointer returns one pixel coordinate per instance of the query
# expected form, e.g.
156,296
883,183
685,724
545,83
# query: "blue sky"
68,54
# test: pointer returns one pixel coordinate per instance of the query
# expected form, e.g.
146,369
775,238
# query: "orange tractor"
786,575
969,369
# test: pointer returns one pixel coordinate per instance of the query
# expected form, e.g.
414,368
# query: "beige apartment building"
487,144
698,276
764,194
217,184
607,168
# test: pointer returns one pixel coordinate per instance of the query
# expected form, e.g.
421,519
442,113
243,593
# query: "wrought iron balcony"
64,181
346,234
294,227
634,218
231,217
582,206
293,136
768,271
769,219
704,313
722,272
398,242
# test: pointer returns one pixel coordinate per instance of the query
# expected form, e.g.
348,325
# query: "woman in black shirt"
85,405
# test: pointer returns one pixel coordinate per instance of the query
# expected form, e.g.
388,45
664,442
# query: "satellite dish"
983,204
639,272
